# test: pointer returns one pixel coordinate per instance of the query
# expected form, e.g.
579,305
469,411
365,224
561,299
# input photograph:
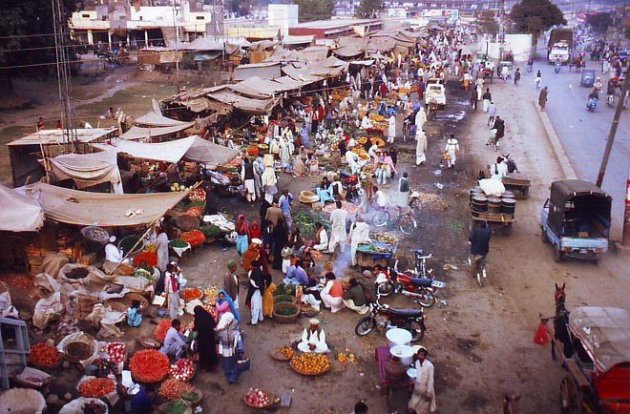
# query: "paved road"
583,134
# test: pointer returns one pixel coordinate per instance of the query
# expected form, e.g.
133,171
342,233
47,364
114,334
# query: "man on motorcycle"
591,103
479,244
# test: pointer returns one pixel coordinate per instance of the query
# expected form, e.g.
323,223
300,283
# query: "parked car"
435,93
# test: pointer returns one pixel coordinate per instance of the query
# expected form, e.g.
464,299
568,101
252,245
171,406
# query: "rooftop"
334,23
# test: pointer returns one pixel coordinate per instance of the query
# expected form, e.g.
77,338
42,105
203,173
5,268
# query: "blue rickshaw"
588,78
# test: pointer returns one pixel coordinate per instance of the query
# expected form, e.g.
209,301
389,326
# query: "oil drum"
479,204
494,205
508,205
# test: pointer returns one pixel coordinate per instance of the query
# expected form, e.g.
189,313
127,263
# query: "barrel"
494,204
479,204
508,205
508,194
475,191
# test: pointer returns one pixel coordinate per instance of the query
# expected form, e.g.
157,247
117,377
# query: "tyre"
380,218
365,326
426,300
570,397
385,289
416,329
543,236
407,224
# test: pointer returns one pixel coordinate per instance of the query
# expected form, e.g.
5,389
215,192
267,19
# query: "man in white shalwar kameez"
359,233
313,339
421,146
423,398
391,129
451,149
338,234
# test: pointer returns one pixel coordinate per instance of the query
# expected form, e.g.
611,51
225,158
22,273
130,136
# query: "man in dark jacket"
479,244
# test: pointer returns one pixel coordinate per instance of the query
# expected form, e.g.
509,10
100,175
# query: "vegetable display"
117,351
310,363
178,244
149,366
44,356
183,370
172,389
160,331
211,231
189,294
97,387
194,237
176,407
199,194
258,398
145,259
195,211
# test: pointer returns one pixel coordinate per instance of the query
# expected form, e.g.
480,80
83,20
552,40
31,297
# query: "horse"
561,330
510,404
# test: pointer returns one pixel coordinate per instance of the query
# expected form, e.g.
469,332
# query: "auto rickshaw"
575,220
588,78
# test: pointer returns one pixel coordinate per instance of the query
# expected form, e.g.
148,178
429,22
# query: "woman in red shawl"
255,231
242,234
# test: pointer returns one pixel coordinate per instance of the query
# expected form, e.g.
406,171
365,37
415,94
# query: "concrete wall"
283,16
519,44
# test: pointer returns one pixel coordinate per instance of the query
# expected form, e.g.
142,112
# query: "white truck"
435,93
559,46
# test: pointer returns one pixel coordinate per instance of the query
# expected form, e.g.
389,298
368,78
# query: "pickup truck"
575,220
435,93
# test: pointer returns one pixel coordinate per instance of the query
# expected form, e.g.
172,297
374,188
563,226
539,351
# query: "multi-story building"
139,23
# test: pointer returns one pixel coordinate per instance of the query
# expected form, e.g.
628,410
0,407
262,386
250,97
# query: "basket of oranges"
310,364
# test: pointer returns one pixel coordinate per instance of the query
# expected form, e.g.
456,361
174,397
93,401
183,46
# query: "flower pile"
149,366
44,356
161,329
97,387
195,238
189,294
172,389
117,351
145,258
183,370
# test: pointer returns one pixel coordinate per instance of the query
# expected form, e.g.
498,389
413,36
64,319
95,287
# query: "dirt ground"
480,340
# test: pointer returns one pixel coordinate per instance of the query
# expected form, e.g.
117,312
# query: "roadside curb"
556,145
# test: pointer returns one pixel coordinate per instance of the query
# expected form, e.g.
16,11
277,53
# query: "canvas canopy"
55,136
18,212
247,104
192,148
136,133
101,209
156,119
87,170
604,333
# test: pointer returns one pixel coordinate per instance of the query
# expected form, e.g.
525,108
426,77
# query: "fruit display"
183,370
344,357
195,238
44,356
211,293
310,363
361,152
283,354
387,238
257,398
172,389
149,366
117,351
96,387
145,258
189,294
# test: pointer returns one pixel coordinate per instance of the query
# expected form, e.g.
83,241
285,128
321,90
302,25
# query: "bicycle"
481,269
405,219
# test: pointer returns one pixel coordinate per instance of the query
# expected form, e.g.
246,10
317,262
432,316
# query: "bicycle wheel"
407,223
380,218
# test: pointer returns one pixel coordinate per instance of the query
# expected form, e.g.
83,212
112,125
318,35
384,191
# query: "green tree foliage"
488,22
368,9
599,21
26,37
240,7
535,16
311,10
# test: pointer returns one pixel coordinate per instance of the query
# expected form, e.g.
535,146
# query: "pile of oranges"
310,363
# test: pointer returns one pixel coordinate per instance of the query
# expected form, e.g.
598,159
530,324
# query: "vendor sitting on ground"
134,315
174,341
324,191
296,275
321,238
113,256
313,339
354,298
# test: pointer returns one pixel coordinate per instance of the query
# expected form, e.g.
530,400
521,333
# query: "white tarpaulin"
18,212
102,209
136,133
156,119
87,170
209,153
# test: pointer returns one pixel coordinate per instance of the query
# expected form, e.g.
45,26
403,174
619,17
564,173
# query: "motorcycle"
352,186
557,68
411,320
414,283
591,104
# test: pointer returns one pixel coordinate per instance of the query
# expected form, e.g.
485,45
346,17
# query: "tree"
488,22
310,10
26,38
534,17
368,9
599,21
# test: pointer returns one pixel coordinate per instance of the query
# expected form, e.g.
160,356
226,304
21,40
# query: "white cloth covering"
317,338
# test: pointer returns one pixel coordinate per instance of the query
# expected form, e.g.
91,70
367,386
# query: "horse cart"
496,211
595,345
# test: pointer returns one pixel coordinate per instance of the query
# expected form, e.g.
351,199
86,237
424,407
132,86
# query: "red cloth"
542,335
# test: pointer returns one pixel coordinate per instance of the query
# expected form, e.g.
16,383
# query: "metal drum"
508,205
479,204
494,205
508,194
475,191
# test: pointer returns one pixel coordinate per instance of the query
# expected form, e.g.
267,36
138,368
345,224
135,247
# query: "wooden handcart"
518,184
502,220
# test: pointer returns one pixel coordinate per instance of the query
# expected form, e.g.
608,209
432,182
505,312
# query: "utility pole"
69,133
176,46
501,28
613,131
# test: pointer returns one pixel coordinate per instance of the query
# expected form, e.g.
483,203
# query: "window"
85,15
201,18
140,17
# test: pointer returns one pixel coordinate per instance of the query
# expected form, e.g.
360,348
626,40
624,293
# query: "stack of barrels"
481,204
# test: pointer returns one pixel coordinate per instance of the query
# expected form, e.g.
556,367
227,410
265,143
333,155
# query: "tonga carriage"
596,356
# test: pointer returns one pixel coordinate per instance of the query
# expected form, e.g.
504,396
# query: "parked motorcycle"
414,283
410,319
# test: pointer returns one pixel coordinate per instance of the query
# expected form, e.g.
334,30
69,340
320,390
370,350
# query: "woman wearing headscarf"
225,304
268,301
204,326
252,254
242,234
230,282
230,347
280,239
255,232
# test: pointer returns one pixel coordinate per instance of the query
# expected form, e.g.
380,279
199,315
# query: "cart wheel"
543,236
380,218
570,397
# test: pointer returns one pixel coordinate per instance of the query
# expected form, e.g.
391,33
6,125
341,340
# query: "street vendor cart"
497,211
375,253
518,184
597,360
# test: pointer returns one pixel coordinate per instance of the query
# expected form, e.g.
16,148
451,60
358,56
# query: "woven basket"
78,351
285,318
272,401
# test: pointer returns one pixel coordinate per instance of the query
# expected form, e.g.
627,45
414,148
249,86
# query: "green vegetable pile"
178,243
211,231
190,396
306,220
287,310
283,289
176,407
